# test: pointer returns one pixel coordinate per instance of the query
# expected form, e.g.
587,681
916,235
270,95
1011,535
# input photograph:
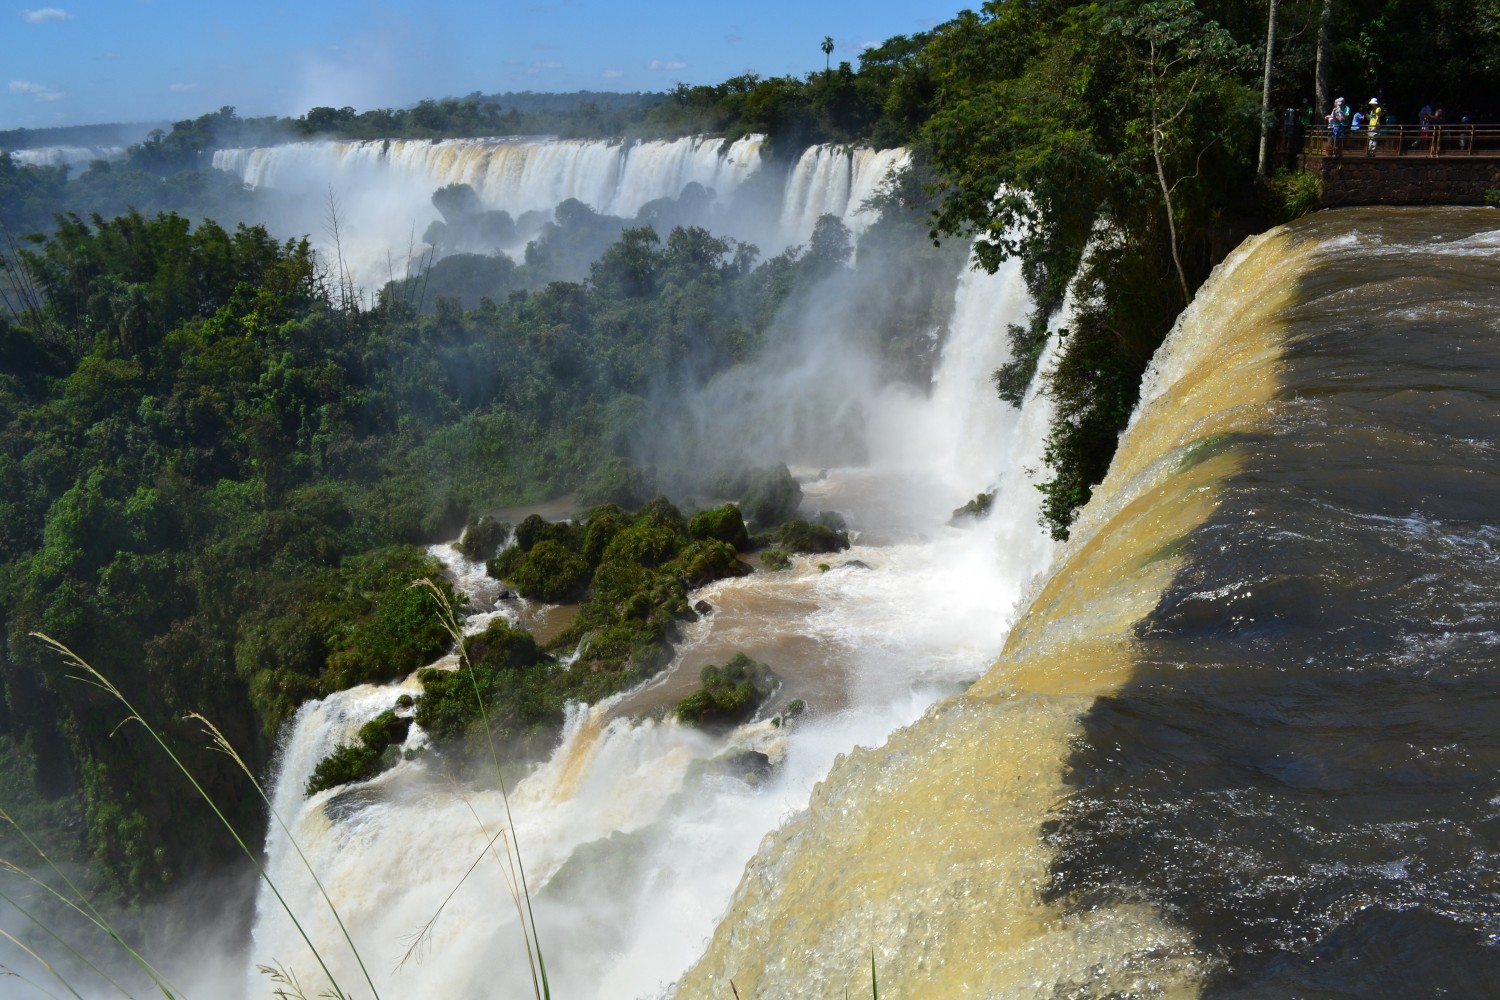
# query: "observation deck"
1401,164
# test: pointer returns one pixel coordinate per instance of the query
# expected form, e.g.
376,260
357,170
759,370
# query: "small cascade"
836,180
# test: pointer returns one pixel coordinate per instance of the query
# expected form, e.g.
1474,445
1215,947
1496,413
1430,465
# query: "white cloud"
657,64
38,91
612,74
183,88
45,14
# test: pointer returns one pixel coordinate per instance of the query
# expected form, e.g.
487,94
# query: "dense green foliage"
801,536
730,694
635,572
212,479
505,673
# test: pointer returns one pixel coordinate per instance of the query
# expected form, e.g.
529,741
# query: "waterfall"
838,181
65,156
517,175
1241,740
635,831
382,189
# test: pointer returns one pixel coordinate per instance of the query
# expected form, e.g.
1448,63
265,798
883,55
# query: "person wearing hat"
1372,122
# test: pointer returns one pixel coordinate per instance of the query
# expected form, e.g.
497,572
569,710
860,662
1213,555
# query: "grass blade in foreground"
92,677
450,624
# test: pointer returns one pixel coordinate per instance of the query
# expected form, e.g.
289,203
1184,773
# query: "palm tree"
827,52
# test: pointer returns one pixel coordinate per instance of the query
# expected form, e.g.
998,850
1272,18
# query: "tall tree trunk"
1166,197
1265,92
1320,78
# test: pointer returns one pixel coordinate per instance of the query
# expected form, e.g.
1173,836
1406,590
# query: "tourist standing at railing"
1424,121
1338,122
1372,122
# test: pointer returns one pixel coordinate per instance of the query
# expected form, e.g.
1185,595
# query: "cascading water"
65,156
382,190
518,175
635,832
1242,741
837,181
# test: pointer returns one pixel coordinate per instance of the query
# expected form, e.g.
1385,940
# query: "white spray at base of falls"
633,841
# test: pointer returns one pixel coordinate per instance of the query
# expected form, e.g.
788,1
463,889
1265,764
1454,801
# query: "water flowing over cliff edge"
1242,742
382,189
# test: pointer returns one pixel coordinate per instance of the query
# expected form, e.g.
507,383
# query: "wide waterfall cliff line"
1171,783
379,192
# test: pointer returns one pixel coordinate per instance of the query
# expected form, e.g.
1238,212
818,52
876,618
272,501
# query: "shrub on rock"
550,572
723,523
482,538
730,694
802,536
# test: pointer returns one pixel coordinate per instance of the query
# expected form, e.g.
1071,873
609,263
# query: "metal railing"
1463,139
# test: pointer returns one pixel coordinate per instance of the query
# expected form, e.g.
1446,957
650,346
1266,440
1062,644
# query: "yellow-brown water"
1242,742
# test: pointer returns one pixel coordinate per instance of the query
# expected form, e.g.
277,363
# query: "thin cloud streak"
38,91
44,15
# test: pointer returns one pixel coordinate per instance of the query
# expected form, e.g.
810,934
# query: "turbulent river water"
1243,742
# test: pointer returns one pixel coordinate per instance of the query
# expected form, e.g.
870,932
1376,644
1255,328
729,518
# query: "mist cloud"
45,14
658,64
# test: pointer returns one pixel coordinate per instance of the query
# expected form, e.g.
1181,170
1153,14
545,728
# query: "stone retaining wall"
1353,179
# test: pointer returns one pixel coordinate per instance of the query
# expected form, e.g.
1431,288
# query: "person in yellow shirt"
1372,122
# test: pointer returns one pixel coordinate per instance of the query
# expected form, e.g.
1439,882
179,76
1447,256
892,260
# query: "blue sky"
135,60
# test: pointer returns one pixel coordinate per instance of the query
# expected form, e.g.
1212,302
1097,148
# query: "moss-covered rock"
775,559
374,750
725,524
502,646
600,528
482,538
535,529
730,694
974,509
766,496
707,560
504,676
803,536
